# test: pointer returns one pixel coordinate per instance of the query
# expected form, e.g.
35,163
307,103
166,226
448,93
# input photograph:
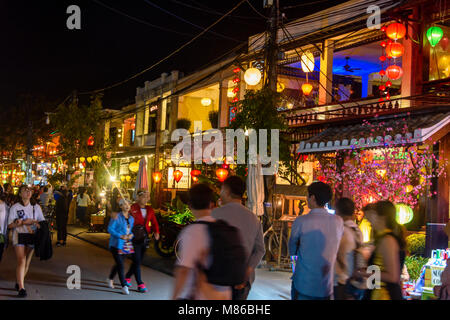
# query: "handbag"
140,234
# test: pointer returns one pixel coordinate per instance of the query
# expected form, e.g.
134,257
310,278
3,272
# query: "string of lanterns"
307,62
235,90
392,50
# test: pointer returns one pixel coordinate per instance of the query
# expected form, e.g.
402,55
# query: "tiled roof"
420,127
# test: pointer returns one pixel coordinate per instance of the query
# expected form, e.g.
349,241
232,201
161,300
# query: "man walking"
315,240
195,253
346,262
235,214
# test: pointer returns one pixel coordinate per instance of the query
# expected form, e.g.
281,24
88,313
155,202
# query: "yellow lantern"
409,188
252,76
95,158
134,167
307,61
89,159
307,88
122,178
404,213
381,172
366,230
128,178
280,87
82,159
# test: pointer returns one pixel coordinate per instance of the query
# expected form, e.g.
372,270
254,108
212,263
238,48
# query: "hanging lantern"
307,88
128,178
195,179
383,29
434,35
382,58
157,176
382,73
195,173
395,50
394,72
230,93
89,159
383,44
252,76
404,213
444,43
206,102
82,159
409,188
382,88
95,158
122,178
395,31
307,61
134,167
280,87
177,174
90,141
221,174
388,83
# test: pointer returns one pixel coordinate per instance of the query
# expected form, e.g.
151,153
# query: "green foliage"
415,244
213,117
178,212
183,123
414,265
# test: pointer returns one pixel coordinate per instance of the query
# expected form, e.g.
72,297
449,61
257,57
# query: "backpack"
229,258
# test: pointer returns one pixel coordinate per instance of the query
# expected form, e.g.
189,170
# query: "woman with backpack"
24,218
389,254
120,243
83,202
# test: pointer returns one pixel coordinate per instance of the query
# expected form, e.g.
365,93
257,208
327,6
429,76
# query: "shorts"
31,246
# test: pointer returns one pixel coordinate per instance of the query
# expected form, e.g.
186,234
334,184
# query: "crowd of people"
219,252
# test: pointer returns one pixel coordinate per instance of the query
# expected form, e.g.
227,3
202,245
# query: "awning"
420,128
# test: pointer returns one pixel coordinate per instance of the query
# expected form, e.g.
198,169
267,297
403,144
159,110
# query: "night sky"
40,56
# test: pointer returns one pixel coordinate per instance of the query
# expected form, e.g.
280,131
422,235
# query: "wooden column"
223,104
326,73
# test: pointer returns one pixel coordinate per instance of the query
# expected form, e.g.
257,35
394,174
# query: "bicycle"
272,242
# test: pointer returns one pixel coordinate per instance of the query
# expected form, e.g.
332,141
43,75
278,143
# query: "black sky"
40,56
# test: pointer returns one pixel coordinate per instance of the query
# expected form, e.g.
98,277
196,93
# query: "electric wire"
254,9
166,57
213,11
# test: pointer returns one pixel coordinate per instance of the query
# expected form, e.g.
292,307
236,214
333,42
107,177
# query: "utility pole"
271,54
29,153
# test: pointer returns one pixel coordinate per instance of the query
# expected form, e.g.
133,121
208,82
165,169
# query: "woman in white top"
83,202
24,218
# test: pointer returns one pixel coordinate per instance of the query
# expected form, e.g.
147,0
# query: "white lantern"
230,93
206,102
307,61
252,76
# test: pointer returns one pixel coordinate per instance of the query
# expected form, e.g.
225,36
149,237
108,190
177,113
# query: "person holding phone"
24,218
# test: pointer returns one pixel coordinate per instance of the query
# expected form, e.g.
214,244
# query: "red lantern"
389,42
157,176
221,174
177,174
306,88
395,50
394,72
444,43
388,83
383,29
195,179
383,44
396,31
195,173
380,100
382,58
225,166
236,70
382,88
90,141
388,96
382,73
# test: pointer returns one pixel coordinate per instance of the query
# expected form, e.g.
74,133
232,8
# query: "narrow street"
46,280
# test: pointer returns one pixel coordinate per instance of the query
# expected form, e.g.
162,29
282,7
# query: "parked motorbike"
168,233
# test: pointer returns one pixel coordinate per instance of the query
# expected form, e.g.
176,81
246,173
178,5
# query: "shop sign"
185,181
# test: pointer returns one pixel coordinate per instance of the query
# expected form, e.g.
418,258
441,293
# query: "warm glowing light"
394,72
409,188
195,173
128,178
404,213
82,159
307,88
396,31
177,174
307,61
206,102
252,76
112,178
434,35
157,176
230,93
89,159
366,230
280,87
395,50
221,174
134,167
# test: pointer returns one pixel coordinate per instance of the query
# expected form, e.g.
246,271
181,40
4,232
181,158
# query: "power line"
254,9
188,22
213,11
139,20
168,56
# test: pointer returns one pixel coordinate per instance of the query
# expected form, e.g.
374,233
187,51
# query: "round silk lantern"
177,174
404,213
252,76
307,88
434,35
396,31
394,72
395,50
221,174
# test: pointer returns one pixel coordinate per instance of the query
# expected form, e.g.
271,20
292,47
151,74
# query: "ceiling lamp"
434,35
252,76
394,72
206,102
307,61
396,31
177,174
307,88
404,213
395,50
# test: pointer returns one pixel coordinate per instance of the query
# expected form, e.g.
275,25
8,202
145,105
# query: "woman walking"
120,244
83,201
4,209
24,218
62,214
389,254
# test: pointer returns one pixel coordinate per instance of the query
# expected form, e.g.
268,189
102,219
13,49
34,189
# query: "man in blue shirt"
315,239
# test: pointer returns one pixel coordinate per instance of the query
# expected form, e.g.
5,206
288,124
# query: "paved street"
47,279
